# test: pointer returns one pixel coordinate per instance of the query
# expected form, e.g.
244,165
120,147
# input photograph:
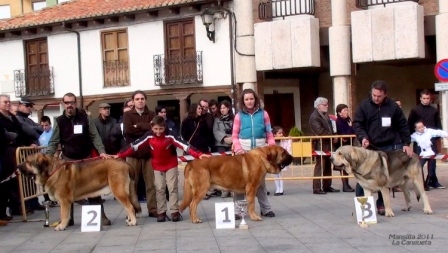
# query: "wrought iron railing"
364,4
176,69
38,82
284,8
116,73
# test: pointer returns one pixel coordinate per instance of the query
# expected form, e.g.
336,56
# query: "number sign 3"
225,215
369,211
91,218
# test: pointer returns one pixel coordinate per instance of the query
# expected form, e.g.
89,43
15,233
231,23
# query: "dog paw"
389,213
130,223
427,211
59,228
196,221
255,218
408,208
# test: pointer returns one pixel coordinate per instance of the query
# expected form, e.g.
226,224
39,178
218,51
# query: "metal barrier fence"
302,149
306,153
27,188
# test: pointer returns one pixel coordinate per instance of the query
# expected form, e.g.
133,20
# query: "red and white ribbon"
187,158
436,157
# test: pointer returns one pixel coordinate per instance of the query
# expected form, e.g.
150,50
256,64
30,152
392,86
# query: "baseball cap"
25,101
104,105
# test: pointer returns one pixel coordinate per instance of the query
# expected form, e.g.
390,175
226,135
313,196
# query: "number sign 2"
369,211
225,215
91,218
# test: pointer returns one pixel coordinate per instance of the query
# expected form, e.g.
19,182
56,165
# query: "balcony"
364,4
116,73
392,32
177,69
291,40
284,8
38,82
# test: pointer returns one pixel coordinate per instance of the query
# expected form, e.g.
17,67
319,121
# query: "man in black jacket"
77,135
108,129
429,115
380,124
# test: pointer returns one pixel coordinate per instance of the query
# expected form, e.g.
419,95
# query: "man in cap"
108,129
32,129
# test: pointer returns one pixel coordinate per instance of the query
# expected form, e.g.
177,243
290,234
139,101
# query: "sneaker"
438,186
381,210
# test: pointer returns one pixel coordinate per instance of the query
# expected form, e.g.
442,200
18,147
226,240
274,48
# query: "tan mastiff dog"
379,171
241,173
67,182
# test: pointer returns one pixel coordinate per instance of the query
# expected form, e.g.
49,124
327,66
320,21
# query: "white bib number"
91,218
225,215
77,129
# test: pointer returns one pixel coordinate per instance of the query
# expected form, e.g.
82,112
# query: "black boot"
427,183
345,186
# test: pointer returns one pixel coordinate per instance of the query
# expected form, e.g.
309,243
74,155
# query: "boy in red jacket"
164,161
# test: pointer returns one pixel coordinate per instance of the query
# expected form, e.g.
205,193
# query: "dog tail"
132,191
188,196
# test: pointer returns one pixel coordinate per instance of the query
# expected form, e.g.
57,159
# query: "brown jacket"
321,125
142,125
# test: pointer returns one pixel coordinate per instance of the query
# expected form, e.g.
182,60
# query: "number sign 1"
91,218
369,211
225,215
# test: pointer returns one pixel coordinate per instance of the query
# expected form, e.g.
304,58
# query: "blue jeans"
360,191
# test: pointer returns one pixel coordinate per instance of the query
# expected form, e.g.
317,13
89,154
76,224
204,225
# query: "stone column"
246,73
442,53
340,60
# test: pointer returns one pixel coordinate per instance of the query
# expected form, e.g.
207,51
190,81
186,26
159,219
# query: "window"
5,11
37,77
115,58
39,5
181,58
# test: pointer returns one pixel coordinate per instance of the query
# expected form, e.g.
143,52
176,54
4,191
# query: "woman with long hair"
194,129
252,129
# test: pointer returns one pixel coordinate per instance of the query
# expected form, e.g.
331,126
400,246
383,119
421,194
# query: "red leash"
70,162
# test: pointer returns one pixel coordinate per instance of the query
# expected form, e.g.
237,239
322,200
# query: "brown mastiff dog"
67,182
378,171
240,173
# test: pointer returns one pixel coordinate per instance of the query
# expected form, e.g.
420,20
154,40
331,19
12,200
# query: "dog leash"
71,162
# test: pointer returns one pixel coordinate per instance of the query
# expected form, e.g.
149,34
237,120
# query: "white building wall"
11,58
146,40
63,57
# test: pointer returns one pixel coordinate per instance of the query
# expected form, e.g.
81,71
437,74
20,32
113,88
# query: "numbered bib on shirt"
225,215
77,129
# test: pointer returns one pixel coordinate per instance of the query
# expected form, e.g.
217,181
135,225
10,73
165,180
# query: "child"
423,138
286,144
164,161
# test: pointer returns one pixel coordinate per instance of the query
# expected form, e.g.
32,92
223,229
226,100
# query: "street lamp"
208,20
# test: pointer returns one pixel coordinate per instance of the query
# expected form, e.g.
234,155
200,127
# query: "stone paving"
304,222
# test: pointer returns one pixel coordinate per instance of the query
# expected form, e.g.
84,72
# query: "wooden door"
281,110
37,69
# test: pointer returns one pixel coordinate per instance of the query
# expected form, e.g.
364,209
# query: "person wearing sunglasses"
78,137
32,129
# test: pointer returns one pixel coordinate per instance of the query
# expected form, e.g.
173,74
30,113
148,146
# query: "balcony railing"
176,69
116,73
284,8
364,4
34,83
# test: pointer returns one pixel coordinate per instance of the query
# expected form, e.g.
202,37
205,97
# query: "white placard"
369,211
91,218
225,215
